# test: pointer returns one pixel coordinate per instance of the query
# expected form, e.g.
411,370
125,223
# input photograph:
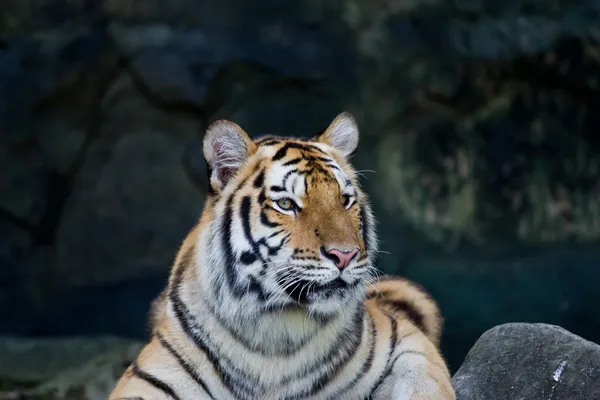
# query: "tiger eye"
285,204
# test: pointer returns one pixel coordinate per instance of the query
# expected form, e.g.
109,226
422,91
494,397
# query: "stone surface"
139,178
24,176
15,244
168,77
61,369
530,361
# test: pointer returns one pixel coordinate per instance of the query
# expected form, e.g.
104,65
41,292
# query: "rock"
22,171
132,196
61,131
138,178
289,111
168,78
135,39
313,49
15,244
195,165
61,369
530,361
504,33
41,76
25,177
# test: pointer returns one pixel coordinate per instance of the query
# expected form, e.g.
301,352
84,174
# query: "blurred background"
479,148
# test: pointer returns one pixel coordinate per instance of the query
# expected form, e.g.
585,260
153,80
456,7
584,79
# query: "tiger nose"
340,258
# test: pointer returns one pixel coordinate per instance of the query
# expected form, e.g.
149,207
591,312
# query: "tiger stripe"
153,381
272,296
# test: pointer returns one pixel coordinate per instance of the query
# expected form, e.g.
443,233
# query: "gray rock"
288,111
138,178
132,202
39,74
15,243
61,369
60,136
24,176
530,361
168,77
195,165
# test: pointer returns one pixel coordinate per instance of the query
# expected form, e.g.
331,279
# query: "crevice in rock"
17,221
57,191
184,107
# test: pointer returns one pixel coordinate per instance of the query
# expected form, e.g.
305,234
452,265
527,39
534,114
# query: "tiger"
274,293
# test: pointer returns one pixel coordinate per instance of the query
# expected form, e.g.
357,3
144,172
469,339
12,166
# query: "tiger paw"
416,389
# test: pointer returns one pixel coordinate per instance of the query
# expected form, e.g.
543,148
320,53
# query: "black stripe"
409,309
347,344
256,287
279,232
230,261
189,369
390,367
365,227
245,209
267,140
281,153
273,250
288,351
394,335
154,381
412,352
270,142
265,220
293,161
277,189
287,176
262,197
260,179
189,324
393,343
335,167
366,367
254,254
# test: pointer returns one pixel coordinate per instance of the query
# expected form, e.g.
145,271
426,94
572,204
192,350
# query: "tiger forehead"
305,158
285,147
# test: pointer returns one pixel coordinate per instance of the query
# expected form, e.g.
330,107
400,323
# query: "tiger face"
291,226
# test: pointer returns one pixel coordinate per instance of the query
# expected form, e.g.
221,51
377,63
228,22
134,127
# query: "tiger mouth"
303,291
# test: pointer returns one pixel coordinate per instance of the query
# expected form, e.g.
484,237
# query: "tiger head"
289,224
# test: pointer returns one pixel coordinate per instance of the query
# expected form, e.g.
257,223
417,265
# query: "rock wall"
479,119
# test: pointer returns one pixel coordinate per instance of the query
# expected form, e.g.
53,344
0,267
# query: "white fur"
342,134
224,147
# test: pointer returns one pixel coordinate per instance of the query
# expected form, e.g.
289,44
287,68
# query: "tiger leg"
417,372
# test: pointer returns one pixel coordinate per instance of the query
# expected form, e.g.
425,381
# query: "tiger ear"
226,148
342,134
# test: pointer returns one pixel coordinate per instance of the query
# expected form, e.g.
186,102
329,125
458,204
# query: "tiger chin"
274,295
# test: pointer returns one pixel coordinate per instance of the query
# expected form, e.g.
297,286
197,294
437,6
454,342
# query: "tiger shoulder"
274,294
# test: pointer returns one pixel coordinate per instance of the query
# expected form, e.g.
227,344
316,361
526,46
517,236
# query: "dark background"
479,146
